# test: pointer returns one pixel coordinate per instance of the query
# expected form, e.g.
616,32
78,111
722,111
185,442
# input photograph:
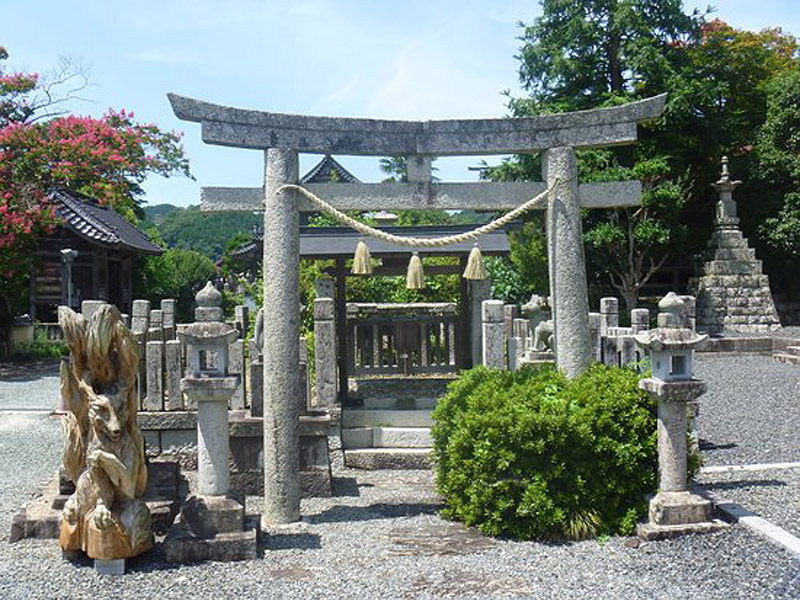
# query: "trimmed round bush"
533,455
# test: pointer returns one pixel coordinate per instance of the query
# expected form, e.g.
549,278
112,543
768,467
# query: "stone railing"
611,344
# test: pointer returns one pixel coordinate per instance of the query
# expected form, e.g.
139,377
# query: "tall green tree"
589,53
777,167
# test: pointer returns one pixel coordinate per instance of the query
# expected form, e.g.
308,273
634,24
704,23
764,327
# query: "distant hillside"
192,229
155,215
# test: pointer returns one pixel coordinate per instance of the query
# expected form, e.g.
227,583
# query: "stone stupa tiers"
733,293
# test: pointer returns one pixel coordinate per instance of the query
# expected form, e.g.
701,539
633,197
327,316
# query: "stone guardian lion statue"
104,451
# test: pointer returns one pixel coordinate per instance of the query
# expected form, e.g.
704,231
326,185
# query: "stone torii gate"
283,136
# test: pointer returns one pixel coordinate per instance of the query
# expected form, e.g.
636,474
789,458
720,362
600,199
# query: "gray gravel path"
772,494
751,412
29,387
380,537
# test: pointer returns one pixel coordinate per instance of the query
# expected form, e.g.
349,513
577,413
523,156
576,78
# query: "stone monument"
733,293
674,510
104,454
211,524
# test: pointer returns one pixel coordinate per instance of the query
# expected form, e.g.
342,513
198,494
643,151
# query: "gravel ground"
380,537
29,386
751,411
773,494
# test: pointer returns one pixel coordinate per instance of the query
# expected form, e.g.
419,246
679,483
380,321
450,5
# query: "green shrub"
39,350
533,455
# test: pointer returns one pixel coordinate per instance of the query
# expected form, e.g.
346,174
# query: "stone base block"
181,546
651,531
207,516
113,566
679,508
389,458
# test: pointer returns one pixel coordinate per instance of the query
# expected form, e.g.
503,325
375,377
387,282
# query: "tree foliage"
206,232
778,165
177,273
107,158
591,53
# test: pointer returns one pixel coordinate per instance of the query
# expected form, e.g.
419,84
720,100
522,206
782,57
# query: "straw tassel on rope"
415,279
475,268
362,261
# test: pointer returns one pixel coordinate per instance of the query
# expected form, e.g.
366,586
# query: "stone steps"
390,403
733,267
365,417
386,437
741,254
389,458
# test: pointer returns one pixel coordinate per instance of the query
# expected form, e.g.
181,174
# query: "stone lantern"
674,510
211,525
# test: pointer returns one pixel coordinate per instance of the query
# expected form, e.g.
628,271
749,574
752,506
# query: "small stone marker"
493,334
114,566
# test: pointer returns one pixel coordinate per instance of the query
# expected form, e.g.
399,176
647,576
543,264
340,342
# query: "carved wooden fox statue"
104,452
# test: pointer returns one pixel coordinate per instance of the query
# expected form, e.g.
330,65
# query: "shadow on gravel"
345,486
290,541
706,445
151,561
28,371
343,514
745,483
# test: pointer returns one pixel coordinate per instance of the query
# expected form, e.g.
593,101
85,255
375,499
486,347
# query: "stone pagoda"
733,294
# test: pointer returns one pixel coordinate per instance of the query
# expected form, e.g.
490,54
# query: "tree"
178,274
777,154
589,53
107,158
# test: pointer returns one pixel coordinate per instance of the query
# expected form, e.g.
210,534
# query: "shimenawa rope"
415,241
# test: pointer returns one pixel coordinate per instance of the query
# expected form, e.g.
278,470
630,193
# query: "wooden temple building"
95,246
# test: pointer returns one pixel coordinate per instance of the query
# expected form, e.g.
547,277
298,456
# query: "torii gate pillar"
281,339
566,263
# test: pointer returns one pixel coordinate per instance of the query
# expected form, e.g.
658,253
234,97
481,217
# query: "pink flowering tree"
106,158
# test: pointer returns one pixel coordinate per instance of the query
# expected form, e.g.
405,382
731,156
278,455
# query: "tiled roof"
322,172
99,224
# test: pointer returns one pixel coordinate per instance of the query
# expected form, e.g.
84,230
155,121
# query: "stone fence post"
640,319
595,321
156,331
493,355
689,312
256,381
325,352
173,362
236,367
155,374
609,314
479,290
241,319
168,306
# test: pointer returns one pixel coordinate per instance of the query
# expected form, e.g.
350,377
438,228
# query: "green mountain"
191,229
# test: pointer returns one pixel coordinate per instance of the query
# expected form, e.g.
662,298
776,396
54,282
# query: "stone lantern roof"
209,327
670,333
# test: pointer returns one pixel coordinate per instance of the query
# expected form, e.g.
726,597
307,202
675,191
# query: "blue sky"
406,60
